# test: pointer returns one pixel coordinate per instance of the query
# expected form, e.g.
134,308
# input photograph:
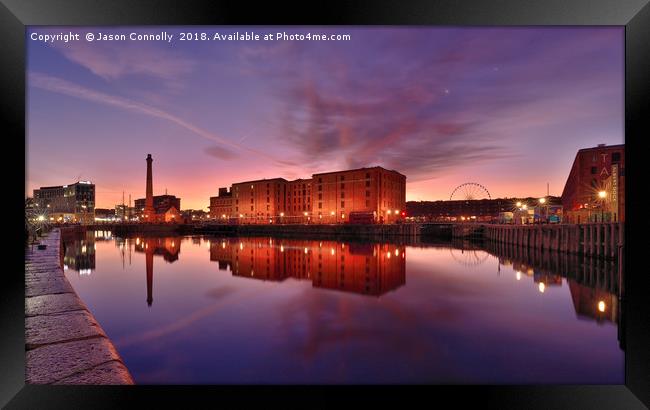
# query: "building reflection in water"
594,284
167,247
364,268
79,252
370,268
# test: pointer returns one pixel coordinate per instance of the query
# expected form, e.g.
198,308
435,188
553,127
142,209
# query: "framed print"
376,201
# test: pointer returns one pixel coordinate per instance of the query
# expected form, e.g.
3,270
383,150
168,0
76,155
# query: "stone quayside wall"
311,230
64,344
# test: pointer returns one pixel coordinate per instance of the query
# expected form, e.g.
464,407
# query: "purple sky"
505,107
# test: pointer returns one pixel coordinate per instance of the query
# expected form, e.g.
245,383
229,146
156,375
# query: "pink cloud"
114,61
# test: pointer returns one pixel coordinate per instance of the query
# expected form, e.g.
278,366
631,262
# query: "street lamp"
542,201
602,195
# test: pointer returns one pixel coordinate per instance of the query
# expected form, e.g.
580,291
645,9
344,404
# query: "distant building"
595,188
125,213
325,198
104,215
73,203
475,209
189,215
172,214
221,206
161,204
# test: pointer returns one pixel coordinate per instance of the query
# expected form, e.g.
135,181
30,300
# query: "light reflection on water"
273,310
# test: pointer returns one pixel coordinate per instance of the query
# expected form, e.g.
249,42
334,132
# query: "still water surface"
206,310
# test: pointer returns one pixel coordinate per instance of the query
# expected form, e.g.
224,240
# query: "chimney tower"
149,211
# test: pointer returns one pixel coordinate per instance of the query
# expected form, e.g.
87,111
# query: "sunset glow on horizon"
504,107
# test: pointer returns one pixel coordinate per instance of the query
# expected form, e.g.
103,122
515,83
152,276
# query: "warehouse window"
594,170
616,157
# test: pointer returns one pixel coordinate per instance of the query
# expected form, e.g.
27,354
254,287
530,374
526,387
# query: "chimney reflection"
149,263
364,268
168,248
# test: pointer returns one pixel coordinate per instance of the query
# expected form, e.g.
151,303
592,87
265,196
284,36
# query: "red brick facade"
325,198
594,170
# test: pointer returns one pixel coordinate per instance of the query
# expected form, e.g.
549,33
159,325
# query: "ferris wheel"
468,257
469,191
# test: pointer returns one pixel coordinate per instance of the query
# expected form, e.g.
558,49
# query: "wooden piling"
604,243
598,239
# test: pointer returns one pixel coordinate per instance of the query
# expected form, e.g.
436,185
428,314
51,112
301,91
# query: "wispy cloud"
65,87
431,107
115,61
220,152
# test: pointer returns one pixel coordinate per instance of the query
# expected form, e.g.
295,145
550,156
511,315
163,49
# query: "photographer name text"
164,36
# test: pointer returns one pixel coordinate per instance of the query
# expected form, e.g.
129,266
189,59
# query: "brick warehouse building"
221,205
258,201
596,170
161,203
327,197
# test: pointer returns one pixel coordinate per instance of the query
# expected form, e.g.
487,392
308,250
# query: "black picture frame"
15,15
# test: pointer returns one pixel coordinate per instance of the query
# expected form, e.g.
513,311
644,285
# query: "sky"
507,108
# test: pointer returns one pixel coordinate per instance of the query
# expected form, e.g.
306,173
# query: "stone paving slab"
64,343
36,267
49,304
51,363
47,286
46,329
106,374
43,273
